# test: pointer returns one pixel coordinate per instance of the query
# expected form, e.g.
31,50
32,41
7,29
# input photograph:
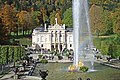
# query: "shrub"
104,47
60,57
44,61
116,40
116,51
67,55
40,56
97,43
108,46
83,69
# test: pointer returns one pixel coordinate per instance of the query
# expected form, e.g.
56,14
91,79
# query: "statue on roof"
56,22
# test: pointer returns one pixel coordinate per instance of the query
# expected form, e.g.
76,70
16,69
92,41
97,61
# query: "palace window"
56,33
41,45
42,39
70,45
60,34
37,39
52,34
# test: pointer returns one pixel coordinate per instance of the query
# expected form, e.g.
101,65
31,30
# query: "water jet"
82,34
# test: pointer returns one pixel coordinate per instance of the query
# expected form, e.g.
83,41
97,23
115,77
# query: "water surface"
58,71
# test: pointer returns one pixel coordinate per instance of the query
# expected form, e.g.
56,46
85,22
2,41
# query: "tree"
108,22
38,4
97,24
58,16
109,5
21,20
110,50
44,14
8,18
52,17
94,2
45,18
49,1
2,34
29,22
1,29
62,2
116,26
67,17
25,20
35,15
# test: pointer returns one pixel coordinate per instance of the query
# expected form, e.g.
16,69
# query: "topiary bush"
84,69
44,61
40,56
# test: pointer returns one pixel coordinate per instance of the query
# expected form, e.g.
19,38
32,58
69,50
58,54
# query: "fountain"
83,53
82,35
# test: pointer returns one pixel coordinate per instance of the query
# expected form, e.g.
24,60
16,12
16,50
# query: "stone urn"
43,74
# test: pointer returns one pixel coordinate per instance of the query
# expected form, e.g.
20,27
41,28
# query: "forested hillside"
105,16
19,16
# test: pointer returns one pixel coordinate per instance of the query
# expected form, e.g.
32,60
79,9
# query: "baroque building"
55,37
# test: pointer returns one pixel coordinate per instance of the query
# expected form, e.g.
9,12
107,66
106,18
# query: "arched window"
52,47
70,45
56,33
52,34
60,34
41,45
61,47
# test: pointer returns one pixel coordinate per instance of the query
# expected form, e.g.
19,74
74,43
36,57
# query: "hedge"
104,47
116,51
97,43
10,53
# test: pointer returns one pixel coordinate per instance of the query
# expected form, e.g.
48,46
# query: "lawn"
24,41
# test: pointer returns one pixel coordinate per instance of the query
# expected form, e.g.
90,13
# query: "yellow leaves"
97,23
0,14
7,9
58,18
8,17
43,10
117,21
45,17
22,17
62,1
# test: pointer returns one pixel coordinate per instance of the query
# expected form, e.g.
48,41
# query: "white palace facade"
53,37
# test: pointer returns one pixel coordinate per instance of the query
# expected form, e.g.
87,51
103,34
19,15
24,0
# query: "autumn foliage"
24,15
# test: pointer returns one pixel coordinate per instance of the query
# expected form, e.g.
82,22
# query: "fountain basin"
59,71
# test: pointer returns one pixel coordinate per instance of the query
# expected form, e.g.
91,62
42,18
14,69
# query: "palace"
55,37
